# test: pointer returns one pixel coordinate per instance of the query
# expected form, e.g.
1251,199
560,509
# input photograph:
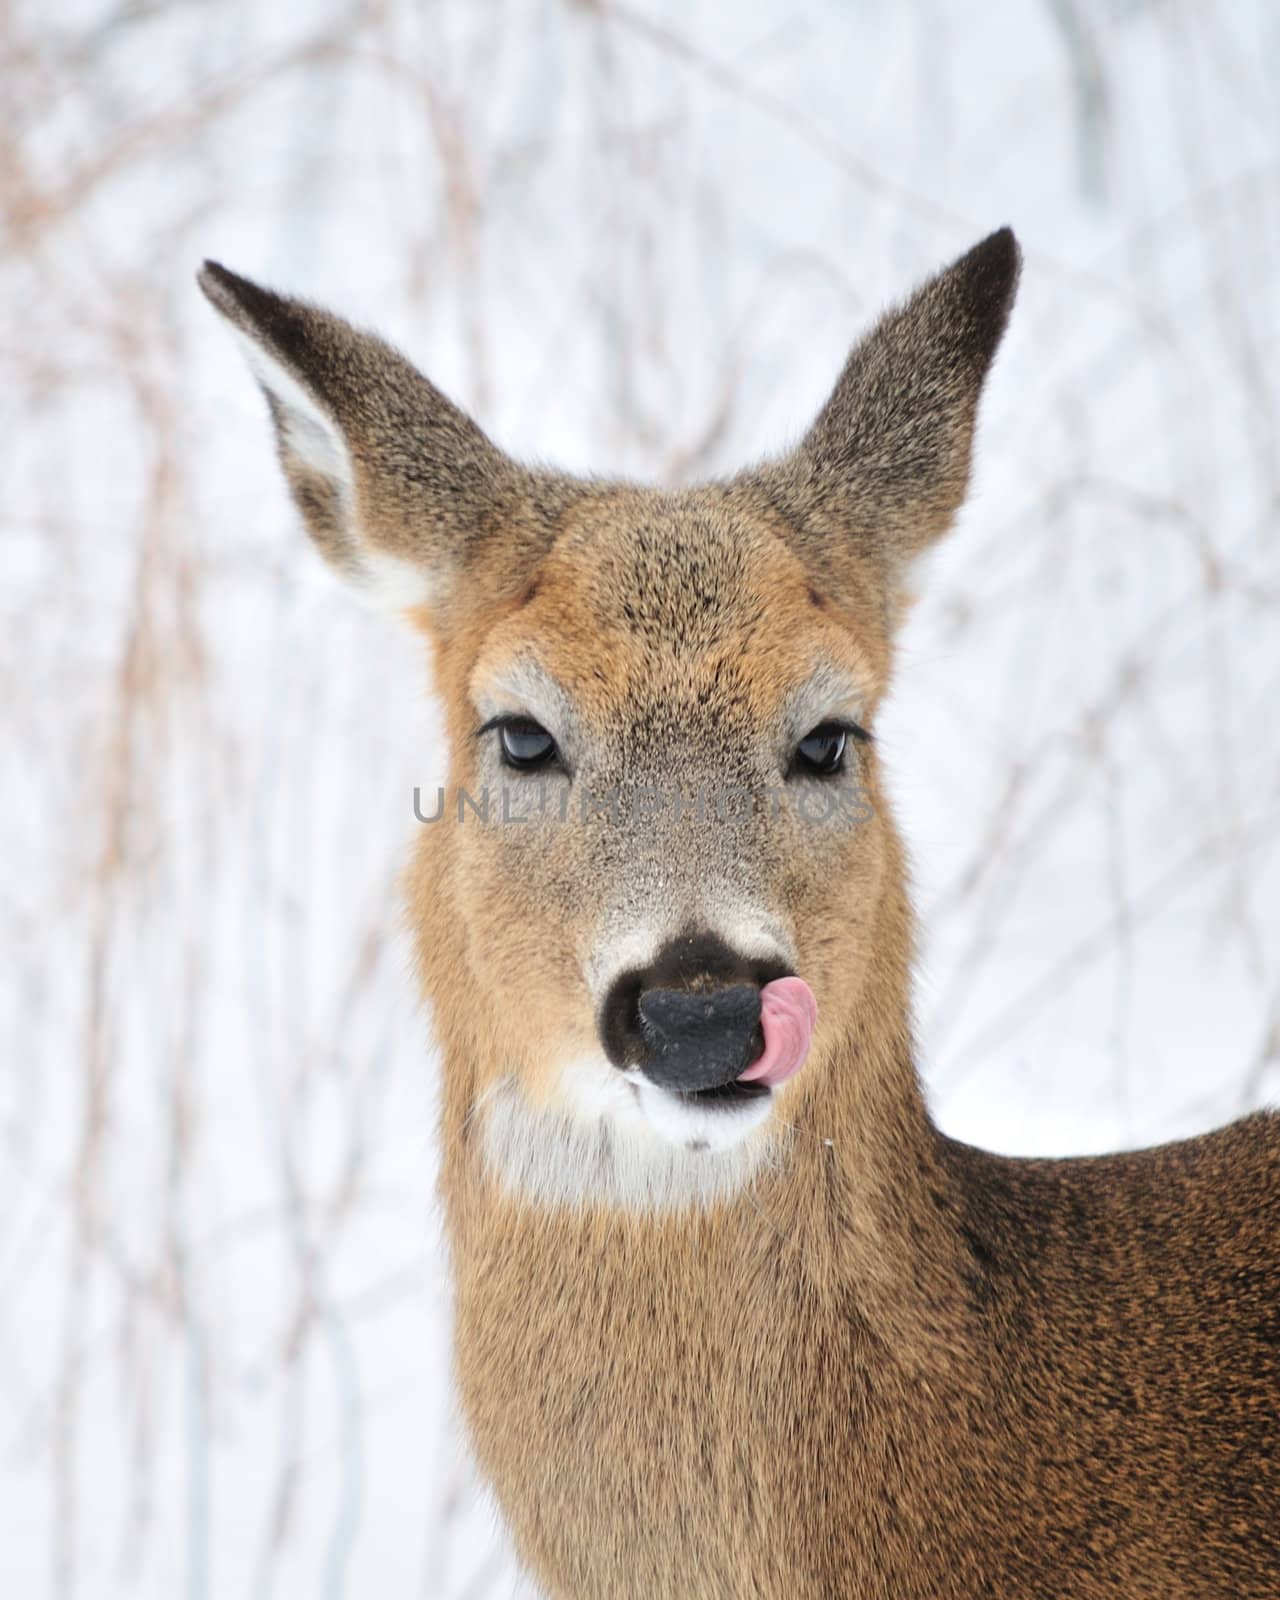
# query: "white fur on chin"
614,1139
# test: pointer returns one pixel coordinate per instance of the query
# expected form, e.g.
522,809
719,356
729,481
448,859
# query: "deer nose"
690,1020
694,1041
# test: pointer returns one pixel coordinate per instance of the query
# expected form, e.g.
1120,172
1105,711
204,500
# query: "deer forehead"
652,607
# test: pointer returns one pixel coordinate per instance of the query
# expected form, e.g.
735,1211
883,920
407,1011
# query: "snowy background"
636,238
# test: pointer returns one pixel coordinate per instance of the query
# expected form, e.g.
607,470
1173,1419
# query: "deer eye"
525,743
821,753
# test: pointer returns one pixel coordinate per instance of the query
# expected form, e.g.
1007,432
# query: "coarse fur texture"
798,1344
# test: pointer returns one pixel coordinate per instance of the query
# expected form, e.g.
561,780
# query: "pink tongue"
788,1012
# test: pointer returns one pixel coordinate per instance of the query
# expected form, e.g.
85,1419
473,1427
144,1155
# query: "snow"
636,239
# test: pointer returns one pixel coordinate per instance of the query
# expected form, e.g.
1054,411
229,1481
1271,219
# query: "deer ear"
888,458
397,486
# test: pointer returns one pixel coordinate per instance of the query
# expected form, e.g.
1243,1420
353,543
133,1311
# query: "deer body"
711,1420
899,1367
732,1317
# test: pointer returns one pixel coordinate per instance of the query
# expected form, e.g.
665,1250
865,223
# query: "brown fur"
892,1365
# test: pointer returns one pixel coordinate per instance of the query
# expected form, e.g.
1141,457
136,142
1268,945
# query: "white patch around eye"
523,687
606,1140
828,695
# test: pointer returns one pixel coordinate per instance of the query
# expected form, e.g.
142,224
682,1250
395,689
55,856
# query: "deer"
732,1316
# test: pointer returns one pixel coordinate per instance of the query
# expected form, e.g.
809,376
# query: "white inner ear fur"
385,582
310,433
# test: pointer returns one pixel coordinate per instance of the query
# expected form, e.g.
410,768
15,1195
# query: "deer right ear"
397,486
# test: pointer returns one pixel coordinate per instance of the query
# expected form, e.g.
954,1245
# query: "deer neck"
850,1206
607,1361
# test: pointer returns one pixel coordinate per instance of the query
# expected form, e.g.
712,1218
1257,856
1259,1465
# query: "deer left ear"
887,460
398,488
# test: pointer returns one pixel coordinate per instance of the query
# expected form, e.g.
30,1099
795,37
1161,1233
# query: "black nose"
699,1041
691,1020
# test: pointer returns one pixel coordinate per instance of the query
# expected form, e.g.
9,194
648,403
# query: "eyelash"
855,730
514,725
840,728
